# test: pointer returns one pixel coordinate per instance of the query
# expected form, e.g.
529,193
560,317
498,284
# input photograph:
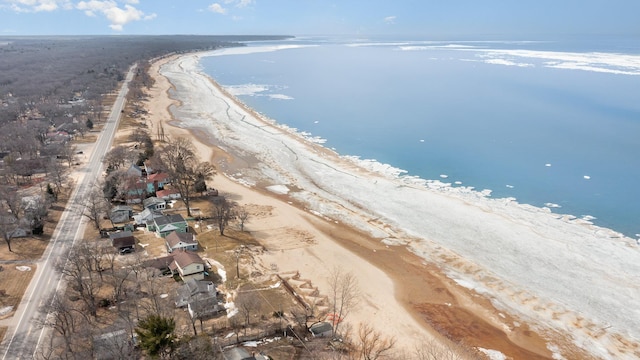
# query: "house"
168,194
120,214
135,170
240,353
188,265
181,241
321,329
164,225
157,182
145,216
201,308
196,290
160,263
117,344
154,204
123,240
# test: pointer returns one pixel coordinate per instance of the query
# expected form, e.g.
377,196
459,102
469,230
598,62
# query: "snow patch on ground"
278,189
493,354
5,310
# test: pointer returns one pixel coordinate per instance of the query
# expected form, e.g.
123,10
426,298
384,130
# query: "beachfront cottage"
164,225
168,194
154,204
196,290
188,265
181,241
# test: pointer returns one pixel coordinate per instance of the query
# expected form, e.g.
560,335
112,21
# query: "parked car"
126,250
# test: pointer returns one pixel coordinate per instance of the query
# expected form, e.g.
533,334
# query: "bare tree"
243,216
247,303
181,162
82,272
222,212
59,314
8,225
344,294
68,153
431,349
118,157
93,206
10,213
57,174
196,348
36,213
371,345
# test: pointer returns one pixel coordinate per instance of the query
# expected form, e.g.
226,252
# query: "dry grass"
14,283
29,248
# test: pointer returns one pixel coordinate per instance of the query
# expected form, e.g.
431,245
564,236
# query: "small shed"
123,240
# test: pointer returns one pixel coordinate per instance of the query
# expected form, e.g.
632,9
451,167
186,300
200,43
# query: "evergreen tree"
156,334
89,124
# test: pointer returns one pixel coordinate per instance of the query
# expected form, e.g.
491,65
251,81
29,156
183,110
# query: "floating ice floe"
551,205
587,177
280,97
444,176
421,140
547,165
509,186
458,182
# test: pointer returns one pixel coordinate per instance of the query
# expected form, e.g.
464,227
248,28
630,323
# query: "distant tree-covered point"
44,72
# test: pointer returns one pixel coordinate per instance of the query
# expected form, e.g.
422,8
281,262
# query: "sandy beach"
413,287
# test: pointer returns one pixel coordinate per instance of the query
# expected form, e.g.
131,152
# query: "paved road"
24,336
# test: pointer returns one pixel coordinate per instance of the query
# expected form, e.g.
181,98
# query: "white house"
154,204
188,265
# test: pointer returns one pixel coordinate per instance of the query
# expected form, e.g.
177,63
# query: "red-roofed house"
188,265
157,182
168,194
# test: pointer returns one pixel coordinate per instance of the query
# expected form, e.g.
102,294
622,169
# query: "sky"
434,18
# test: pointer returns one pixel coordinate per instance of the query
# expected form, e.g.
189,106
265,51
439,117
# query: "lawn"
13,283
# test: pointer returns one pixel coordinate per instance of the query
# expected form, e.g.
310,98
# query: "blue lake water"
552,124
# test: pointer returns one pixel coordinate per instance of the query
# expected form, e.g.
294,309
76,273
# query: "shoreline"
464,301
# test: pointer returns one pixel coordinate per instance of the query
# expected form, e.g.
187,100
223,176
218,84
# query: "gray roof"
120,235
319,328
121,208
169,219
174,238
152,201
